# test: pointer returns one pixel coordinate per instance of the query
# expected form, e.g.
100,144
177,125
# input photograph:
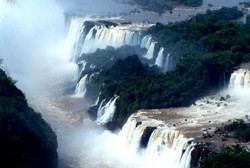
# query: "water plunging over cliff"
81,88
106,111
240,79
86,35
164,146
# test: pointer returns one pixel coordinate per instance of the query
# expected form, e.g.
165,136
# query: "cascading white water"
160,57
99,37
240,79
97,100
136,137
128,129
167,63
101,108
150,54
106,112
75,31
83,67
169,143
146,41
81,89
82,38
160,139
86,37
166,146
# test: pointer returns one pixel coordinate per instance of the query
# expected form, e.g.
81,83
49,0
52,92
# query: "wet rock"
145,136
206,134
201,151
92,112
226,135
204,129
223,139
228,96
222,98
218,131
138,123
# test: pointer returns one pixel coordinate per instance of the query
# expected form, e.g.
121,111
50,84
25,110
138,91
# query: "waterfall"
240,79
80,90
128,129
82,67
146,41
74,36
86,35
106,112
167,142
137,136
166,147
99,37
85,38
159,59
97,101
167,63
150,54
91,76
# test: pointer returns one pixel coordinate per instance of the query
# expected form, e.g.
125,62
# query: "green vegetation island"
27,141
206,48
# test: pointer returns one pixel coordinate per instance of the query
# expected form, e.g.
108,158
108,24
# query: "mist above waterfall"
30,43
32,46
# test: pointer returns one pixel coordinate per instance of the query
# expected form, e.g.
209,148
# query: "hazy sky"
94,7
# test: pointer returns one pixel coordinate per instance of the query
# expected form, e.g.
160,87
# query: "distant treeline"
162,5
